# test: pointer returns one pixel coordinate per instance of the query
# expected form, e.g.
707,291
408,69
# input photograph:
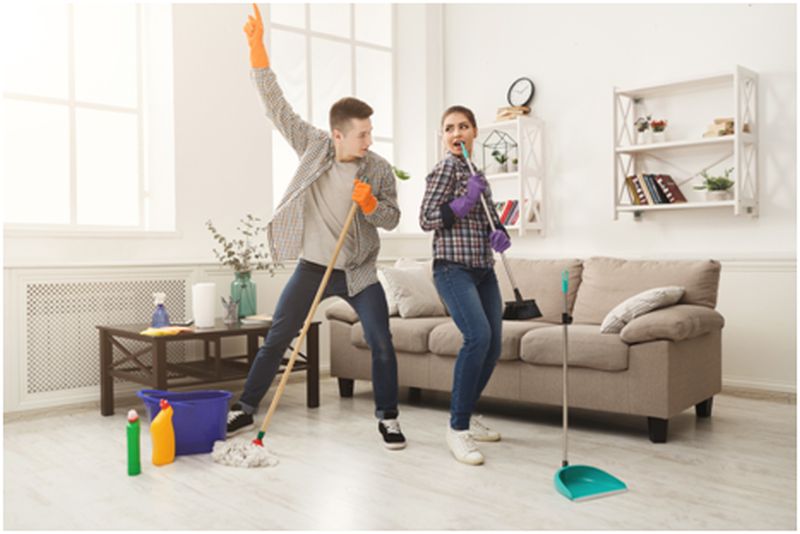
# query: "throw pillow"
639,304
413,290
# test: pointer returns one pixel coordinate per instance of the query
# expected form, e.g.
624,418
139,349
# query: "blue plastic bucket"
199,417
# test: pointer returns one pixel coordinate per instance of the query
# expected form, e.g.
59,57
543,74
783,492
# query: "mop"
518,309
242,453
579,482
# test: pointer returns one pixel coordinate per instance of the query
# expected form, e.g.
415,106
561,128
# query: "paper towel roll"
204,297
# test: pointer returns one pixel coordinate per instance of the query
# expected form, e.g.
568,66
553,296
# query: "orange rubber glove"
362,195
255,38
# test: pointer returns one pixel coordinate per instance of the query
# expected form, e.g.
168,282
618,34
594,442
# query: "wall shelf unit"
738,150
526,183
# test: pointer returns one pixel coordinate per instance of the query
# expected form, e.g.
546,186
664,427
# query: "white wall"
576,54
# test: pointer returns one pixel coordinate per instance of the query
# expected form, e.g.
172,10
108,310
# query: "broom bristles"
242,453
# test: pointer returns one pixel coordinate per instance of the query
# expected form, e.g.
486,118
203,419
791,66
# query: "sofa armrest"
342,311
675,323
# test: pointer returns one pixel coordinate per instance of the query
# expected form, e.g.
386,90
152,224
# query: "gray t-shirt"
326,205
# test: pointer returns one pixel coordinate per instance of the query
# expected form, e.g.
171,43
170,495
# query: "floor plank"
735,470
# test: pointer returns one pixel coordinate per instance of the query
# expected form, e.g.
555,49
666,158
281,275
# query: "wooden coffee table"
212,368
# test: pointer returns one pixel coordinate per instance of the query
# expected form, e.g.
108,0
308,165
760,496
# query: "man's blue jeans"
290,313
473,299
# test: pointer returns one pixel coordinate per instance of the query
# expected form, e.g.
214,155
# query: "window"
87,109
323,52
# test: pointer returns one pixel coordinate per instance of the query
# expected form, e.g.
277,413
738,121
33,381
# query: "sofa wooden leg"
703,409
346,387
414,395
657,429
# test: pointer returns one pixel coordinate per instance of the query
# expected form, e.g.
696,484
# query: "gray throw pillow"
639,304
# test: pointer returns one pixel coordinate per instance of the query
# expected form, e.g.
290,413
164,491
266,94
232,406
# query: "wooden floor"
67,470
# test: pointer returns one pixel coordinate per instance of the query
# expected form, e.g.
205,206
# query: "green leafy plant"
241,254
401,174
499,157
642,123
716,183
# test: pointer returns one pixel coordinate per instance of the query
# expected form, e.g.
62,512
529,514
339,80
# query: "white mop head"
242,453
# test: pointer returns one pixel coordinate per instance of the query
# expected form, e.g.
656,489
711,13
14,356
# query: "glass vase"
243,290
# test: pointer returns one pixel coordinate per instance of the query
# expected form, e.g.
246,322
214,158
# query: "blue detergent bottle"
160,317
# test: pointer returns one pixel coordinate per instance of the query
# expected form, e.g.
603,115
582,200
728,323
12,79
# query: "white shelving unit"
740,148
528,181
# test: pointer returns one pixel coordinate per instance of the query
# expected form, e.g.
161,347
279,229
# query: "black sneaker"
238,420
393,437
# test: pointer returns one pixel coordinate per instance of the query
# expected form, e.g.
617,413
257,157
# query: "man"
335,170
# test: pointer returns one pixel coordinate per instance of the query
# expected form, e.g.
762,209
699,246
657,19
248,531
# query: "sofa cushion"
541,280
341,311
587,348
446,339
605,282
408,335
675,323
413,290
639,304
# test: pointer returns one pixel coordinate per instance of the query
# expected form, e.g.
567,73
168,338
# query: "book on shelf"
670,189
631,190
655,191
646,190
637,184
514,215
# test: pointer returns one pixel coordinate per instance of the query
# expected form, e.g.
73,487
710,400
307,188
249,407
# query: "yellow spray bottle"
163,435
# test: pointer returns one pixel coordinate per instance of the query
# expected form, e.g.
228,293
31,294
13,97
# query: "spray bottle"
163,435
134,463
160,317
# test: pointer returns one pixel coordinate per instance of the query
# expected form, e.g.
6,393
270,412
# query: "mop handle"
309,319
491,222
564,320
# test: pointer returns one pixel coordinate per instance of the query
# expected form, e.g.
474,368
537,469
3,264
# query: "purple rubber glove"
475,187
499,240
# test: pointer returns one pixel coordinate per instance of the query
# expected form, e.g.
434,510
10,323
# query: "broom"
518,309
239,453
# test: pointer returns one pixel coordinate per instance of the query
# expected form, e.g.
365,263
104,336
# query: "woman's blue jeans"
290,313
473,299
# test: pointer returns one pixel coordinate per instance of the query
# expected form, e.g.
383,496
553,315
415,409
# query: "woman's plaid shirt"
466,240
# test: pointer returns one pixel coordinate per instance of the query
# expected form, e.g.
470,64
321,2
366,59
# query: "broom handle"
564,320
309,319
491,224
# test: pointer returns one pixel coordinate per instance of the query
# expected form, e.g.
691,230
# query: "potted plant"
512,165
244,257
642,126
658,126
717,187
501,158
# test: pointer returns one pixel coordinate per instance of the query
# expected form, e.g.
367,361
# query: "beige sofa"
659,365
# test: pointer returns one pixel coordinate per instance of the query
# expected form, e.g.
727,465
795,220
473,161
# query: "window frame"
72,104
309,34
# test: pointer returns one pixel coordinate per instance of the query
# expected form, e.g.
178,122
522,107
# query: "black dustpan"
520,309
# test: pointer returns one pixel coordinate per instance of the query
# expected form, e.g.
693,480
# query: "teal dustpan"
579,482
583,482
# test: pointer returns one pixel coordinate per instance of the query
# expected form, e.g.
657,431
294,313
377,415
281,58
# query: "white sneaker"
481,432
463,447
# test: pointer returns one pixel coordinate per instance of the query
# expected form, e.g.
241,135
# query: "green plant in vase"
501,158
244,257
717,187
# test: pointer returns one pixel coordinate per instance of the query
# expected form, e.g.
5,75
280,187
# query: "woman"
464,276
